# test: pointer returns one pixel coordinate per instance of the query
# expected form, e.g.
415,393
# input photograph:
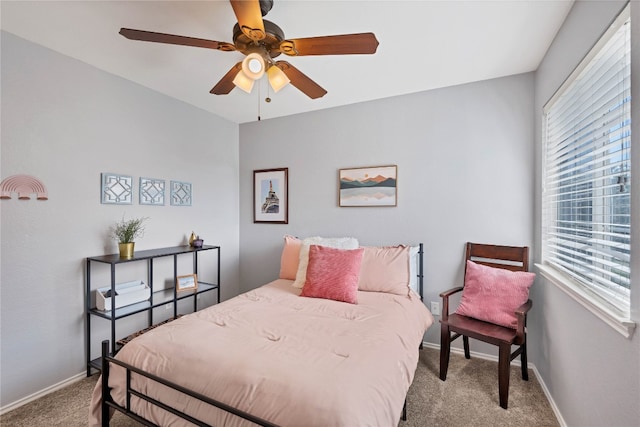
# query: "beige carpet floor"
469,397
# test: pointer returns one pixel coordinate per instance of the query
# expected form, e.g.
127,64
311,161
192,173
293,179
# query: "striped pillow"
333,274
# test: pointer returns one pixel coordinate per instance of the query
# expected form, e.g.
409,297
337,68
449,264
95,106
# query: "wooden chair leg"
504,361
523,362
465,340
445,349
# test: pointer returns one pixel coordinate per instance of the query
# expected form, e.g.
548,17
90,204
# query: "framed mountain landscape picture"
369,186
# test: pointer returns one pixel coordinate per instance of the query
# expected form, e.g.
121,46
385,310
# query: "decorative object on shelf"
125,233
117,189
198,242
126,249
368,186
126,294
152,191
195,241
180,193
188,282
24,185
271,196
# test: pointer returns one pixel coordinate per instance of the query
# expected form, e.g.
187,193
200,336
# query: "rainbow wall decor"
25,186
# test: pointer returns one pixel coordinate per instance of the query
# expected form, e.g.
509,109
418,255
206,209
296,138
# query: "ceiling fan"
261,41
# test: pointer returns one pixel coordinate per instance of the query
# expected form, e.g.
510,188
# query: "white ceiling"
423,45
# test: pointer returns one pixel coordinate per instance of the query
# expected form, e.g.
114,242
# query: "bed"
273,357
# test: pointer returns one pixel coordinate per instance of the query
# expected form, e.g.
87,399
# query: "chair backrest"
514,258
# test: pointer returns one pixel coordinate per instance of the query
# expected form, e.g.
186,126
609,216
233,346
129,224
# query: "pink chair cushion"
290,257
333,274
493,294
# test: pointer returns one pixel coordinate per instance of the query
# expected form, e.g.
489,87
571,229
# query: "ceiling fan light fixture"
243,82
277,78
261,41
253,66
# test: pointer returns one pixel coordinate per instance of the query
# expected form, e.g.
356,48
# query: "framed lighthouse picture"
271,196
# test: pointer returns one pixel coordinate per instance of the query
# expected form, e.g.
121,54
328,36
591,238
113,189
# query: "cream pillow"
331,242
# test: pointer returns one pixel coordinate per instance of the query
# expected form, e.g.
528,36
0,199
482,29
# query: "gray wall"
465,172
66,122
592,372
468,169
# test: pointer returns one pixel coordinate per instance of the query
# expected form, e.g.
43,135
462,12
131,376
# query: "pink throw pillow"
333,274
289,258
385,269
493,294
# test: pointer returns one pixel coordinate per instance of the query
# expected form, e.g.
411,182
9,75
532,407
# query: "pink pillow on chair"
333,274
493,294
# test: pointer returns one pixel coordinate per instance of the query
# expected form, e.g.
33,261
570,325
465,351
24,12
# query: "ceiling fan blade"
225,85
150,36
249,18
307,86
345,44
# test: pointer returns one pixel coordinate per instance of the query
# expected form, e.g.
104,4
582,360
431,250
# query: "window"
586,203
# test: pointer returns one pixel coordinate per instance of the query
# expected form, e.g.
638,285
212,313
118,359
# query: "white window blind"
586,204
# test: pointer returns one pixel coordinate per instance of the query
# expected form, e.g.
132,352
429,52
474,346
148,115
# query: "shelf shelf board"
158,299
96,363
151,253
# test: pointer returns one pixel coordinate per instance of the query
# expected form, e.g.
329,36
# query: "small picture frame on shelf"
188,282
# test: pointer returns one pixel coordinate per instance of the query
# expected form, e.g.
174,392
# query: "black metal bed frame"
108,403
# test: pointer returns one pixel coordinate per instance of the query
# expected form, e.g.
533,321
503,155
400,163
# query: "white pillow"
414,259
331,242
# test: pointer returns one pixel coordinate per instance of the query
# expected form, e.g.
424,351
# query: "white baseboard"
555,408
515,362
42,393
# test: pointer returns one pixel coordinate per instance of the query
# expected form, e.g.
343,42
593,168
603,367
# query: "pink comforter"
291,360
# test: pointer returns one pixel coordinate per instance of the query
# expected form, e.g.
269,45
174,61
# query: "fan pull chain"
258,100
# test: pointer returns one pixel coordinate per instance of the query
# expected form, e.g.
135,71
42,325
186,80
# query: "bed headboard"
421,271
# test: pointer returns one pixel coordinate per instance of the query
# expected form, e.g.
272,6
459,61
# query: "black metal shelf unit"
158,297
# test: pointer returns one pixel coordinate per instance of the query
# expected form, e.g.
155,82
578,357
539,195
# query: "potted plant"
125,233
